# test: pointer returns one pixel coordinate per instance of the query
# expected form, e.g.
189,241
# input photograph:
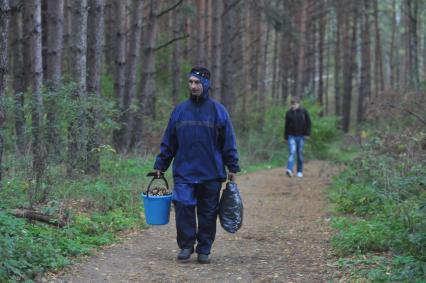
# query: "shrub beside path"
284,238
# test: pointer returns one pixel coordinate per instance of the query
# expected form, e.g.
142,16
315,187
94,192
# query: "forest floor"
285,237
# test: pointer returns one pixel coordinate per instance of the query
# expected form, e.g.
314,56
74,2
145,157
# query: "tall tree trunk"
177,50
77,133
4,33
365,84
110,34
120,64
350,50
228,70
338,59
216,49
412,8
201,33
262,71
19,84
131,72
38,149
67,54
274,87
378,66
321,34
392,66
301,49
95,32
53,70
146,97
253,46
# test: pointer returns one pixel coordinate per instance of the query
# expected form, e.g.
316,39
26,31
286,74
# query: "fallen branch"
38,216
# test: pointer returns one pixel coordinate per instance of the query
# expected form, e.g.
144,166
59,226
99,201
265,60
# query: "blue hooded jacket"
201,140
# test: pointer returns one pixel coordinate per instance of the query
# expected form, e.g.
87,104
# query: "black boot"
203,258
185,254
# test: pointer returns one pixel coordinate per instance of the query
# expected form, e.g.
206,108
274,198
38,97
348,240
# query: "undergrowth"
381,197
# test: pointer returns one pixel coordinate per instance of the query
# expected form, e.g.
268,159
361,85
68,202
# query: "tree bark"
38,149
301,49
4,33
216,49
228,36
322,22
19,84
338,60
95,32
77,132
378,66
120,64
177,50
350,51
201,33
146,98
392,65
54,21
365,84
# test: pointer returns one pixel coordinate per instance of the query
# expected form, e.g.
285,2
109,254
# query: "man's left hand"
232,176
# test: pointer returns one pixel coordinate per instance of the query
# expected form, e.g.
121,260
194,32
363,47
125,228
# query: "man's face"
295,105
195,86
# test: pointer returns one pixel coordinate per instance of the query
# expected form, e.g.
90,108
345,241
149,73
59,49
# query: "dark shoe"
203,258
289,173
185,254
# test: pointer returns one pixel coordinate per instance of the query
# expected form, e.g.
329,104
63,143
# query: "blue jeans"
295,147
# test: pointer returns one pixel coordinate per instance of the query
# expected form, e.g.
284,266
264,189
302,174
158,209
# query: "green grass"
381,200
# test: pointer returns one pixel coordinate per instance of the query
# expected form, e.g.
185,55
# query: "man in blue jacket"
200,140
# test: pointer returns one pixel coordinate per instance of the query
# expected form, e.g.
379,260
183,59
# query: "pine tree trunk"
131,72
350,51
414,81
216,49
4,32
201,32
365,84
120,64
19,84
378,65
392,67
301,49
338,60
321,34
77,133
95,32
146,97
38,149
228,70
54,21
177,50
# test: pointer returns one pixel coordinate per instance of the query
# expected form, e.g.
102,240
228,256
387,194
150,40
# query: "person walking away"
297,129
200,140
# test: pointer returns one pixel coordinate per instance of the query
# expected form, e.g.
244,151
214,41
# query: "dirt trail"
284,238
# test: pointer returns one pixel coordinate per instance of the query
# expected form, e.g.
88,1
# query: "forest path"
284,238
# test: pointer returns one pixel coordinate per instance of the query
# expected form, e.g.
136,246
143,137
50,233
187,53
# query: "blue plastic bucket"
157,208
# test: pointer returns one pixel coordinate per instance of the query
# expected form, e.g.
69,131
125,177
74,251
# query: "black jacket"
297,123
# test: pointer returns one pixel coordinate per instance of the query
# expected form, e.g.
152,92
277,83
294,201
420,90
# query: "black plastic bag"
231,208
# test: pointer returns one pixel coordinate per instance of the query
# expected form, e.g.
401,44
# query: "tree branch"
169,9
409,112
170,42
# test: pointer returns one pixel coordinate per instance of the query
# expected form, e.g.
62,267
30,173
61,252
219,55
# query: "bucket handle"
155,177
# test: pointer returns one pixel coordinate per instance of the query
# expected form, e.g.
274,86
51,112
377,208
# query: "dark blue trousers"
205,211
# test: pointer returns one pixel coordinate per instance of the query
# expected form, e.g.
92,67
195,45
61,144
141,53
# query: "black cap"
201,71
